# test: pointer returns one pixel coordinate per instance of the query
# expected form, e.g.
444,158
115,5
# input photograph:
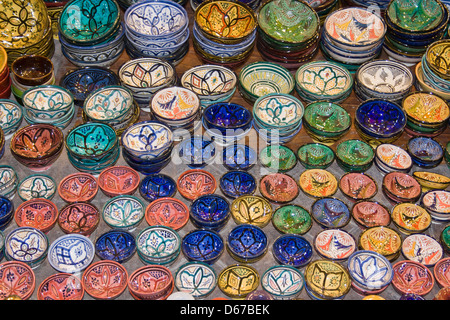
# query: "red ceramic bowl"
17,280
5,93
37,213
358,186
80,217
5,79
78,187
61,286
118,180
441,272
195,183
105,279
151,282
401,187
370,214
412,277
279,187
169,212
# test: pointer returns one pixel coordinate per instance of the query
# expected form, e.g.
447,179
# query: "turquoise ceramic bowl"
11,115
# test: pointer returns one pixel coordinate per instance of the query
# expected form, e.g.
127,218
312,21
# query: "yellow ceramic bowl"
426,109
251,209
437,57
431,180
3,58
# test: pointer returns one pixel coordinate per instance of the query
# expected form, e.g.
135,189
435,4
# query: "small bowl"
28,245
272,283
344,244
278,158
210,211
194,183
373,238
79,218
118,180
169,212
235,183
115,245
196,278
37,186
440,272
197,151
78,187
354,155
38,213
251,209
422,248
318,183
47,103
401,187
369,214
425,152
330,212
238,280
227,118
7,211
61,286
11,117
436,203
158,244
410,218
247,243
9,182
292,250
71,253
22,290
318,289
292,218
156,186
239,157
412,277
315,156
193,246
123,212
389,158
278,187
151,282
358,186
32,70
431,180
105,280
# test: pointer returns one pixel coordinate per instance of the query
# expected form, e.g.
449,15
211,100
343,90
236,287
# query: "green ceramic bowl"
315,156
354,155
292,218
277,158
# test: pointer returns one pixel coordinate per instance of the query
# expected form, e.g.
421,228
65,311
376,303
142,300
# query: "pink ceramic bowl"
37,213
151,282
78,187
61,286
105,279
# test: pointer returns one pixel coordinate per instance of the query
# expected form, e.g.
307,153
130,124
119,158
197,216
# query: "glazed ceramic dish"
371,214
71,253
251,209
358,186
330,212
168,212
414,16
16,289
410,218
123,212
61,286
318,183
237,281
383,240
109,103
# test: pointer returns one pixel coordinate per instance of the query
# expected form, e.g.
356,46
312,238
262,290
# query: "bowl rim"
32,56
416,175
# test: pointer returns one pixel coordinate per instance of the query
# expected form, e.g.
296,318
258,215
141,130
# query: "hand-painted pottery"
383,240
203,245
78,187
431,180
410,218
412,277
373,297
315,156
247,243
445,238
370,271
358,186
71,253
80,218
389,157
422,248
425,152
259,295
436,58
413,16
278,187
11,115
251,209
115,245
156,186
158,245
109,104
292,218
61,286
237,281
401,187
17,280
196,182
197,151
91,140
8,181
210,211
354,155
318,183
330,212
118,180
123,212
371,214
239,157
334,244
283,282
168,212
443,294
151,283
441,272
197,278
277,158
47,102
37,186
105,279
6,212
436,202
174,104
234,184
327,280
293,250
227,118
28,245
38,213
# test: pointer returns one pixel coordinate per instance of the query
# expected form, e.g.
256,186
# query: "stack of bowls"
412,26
145,76
157,29
427,114
91,32
92,147
383,79
147,146
11,115
48,104
216,40
158,245
112,105
352,36
277,117
5,78
288,32
28,71
178,108
26,29
425,152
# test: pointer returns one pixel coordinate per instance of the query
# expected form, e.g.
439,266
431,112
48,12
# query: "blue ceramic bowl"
247,243
197,152
202,245
330,212
292,250
71,253
6,210
239,157
227,118
234,184
156,186
210,211
144,167
116,245
425,152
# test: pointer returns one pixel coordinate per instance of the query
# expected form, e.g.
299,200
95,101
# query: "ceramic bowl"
358,186
440,272
407,274
330,212
37,146
79,218
71,253
251,209
425,152
315,156
194,183
32,70
123,212
277,158
247,243
344,244
156,186
28,245
354,155
436,57
292,250
227,118
292,218
235,183
422,248
239,157
372,238
194,249
61,286
118,180
10,117
196,278
8,182
272,283
115,245
210,211
158,244
7,211
278,187
369,213
78,187
318,183
169,212
196,152
151,282
431,180
37,186
389,158
38,213
435,202
410,218
105,280
231,280
22,290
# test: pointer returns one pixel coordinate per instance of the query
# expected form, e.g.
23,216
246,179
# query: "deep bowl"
115,245
12,115
32,70
227,118
118,180
239,157
156,186
47,102
40,214
151,282
247,243
425,152
194,248
292,218
292,250
158,244
123,212
65,286
99,287
71,253
236,183
17,269
78,187
79,218
354,155
196,151
210,212
315,156
169,212
326,119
